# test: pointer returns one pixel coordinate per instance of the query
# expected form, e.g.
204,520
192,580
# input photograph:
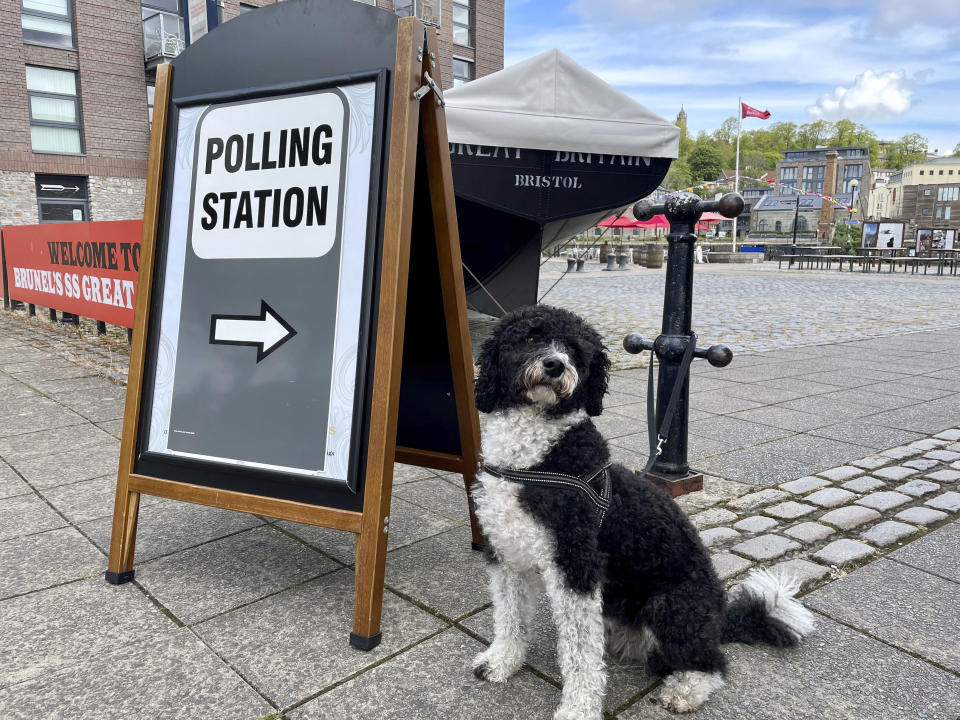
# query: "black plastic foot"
119,578
479,547
362,642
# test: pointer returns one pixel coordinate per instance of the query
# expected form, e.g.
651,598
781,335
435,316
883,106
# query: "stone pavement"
841,459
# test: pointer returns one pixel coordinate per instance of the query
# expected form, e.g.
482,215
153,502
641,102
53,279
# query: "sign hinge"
429,84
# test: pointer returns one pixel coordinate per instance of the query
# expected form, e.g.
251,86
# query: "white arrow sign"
266,331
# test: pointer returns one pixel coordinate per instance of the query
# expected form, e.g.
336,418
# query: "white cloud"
872,96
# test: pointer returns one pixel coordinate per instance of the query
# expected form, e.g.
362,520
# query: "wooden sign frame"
417,130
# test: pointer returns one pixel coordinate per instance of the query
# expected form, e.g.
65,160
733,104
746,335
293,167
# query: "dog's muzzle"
549,376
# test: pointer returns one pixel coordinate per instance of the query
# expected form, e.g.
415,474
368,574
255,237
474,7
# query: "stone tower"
682,118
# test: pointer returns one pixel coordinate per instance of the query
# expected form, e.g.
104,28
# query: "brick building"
76,94
924,195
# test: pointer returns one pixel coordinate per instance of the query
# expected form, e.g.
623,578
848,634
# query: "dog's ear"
489,383
596,385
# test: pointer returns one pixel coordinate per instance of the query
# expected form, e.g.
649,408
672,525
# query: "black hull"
514,203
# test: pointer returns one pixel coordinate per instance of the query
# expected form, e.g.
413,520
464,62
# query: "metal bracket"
427,87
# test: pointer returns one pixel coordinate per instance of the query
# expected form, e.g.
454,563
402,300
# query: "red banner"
753,112
85,268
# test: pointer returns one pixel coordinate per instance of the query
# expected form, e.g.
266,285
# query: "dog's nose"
553,367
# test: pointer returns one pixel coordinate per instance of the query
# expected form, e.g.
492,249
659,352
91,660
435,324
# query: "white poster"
890,236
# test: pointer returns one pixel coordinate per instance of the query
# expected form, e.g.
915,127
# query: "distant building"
924,195
772,218
76,93
682,118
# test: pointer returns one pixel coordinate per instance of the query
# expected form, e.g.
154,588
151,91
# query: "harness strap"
599,500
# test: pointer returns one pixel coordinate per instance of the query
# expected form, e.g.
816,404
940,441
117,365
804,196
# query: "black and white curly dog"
636,581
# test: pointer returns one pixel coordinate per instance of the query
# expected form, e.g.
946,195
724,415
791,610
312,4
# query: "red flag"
747,111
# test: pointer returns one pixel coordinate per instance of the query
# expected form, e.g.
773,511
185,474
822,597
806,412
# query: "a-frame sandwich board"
212,422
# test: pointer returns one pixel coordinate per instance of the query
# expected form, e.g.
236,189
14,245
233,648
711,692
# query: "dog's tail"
766,611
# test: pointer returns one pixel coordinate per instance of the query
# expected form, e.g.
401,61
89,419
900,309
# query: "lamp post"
853,203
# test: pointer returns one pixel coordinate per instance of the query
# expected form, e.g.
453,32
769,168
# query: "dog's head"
544,356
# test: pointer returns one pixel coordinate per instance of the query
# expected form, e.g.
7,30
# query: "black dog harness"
600,499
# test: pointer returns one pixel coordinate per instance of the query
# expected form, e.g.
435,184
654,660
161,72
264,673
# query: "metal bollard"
571,264
611,262
580,262
622,259
683,210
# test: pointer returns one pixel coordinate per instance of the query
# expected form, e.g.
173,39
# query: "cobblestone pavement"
841,459
758,307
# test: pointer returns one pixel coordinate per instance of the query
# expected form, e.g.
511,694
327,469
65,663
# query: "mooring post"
683,210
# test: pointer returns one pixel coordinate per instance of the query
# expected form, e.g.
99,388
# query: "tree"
705,161
956,149
727,132
815,133
909,149
678,176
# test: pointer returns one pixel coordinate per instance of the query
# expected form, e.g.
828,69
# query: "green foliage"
847,235
705,161
911,148
956,149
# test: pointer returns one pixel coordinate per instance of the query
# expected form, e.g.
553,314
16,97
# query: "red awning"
709,217
620,222
657,221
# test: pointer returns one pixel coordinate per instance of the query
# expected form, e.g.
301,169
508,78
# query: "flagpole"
736,170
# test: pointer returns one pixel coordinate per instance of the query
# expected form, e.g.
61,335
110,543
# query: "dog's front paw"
494,667
684,692
566,712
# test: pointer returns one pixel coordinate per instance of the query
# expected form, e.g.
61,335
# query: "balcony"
163,39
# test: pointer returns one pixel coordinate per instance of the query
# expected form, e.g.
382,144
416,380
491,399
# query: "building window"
946,213
244,7
921,172
463,22
47,22
778,226
813,178
62,198
462,71
940,172
54,110
403,8
948,194
762,226
926,193
801,224
925,211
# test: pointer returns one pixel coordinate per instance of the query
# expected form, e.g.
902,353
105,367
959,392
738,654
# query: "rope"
484,288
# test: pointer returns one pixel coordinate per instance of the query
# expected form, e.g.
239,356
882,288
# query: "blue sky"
891,64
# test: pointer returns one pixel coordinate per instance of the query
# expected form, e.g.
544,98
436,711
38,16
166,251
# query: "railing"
163,37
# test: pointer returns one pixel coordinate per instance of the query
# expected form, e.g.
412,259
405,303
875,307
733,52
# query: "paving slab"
789,510
48,558
766,547
945,475
804,485
901,605
808,573
920,464
294,644
918,488
409,523
807,447
10,482
717,536
755,524
26,515
170,676
439,496
849,517
809,532
830,497
843,552
44,471
863,484
727,564
752,465
834,674
62,626
870,462
442,572
937,553
921,515
949,501
884,500
942,455
168,526
867,434
888,532
711,517
785,418
951,435
754,500
49,442
433,681
841,473
217,576
715,490
626,677
89,499
735,432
